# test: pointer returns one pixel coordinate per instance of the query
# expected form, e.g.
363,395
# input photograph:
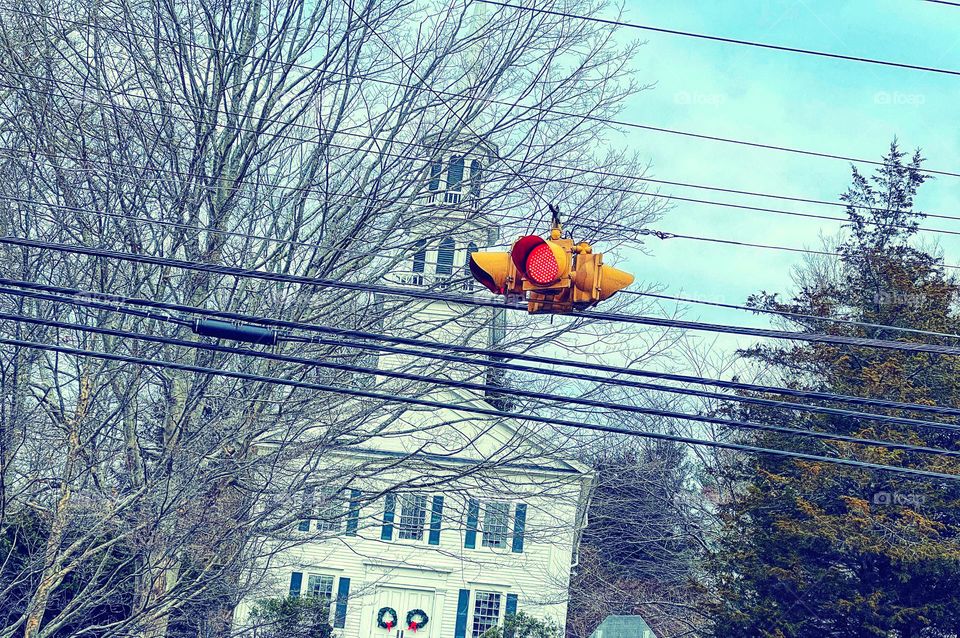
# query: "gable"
460,436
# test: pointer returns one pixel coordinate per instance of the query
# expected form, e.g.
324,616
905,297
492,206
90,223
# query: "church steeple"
451,222
448,225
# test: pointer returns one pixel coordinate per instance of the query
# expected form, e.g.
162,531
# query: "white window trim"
424,529
333,573
482,518
475,588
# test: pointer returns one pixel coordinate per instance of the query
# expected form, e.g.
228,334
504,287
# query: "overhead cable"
475,409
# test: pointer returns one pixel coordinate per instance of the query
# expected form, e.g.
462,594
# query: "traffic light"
496,272
593,281
544,267
543,264
556,275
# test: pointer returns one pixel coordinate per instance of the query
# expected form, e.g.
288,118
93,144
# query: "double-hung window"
330,511
320,586
496,524
486,612
413,516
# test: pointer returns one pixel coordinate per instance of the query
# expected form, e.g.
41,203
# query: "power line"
495,354
482,387
669,235
714,38
729,205
513,173
745,244
429,296
794,315
487,100
393,398
427,85
412,243
377,249
578,376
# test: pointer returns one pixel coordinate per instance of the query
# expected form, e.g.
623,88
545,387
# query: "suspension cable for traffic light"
479,98
394,398
664,235
231,271
412,244
568,180
118,302
660,234
487,363
714,38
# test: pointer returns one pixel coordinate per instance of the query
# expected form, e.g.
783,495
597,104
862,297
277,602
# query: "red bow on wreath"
389,625
413,625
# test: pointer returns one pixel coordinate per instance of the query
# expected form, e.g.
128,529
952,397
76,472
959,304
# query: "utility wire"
427,85
810,337
473,409
512,173
481,388
497,357
660,234
487,100
379,248
598,187
793,315
577,376
714,38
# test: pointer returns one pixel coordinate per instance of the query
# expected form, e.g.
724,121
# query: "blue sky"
781,98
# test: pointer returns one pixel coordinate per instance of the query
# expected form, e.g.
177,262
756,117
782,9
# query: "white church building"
487,520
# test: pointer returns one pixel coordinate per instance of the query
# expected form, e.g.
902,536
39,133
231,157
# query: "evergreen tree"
810,549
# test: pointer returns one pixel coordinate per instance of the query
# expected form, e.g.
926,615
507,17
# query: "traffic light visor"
540,261
613,280
491,270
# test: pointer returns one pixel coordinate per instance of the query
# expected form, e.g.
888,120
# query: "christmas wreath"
387,618
417,619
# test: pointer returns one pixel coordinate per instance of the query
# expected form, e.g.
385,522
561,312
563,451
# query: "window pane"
471,248
420,257
486,612
435,169
330,509
320,586
496,521
413,516
475,177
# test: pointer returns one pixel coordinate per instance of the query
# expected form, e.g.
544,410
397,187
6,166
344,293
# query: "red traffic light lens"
542,267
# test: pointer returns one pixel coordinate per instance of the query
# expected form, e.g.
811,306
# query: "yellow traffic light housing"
495,271
593,281
556,275
543,264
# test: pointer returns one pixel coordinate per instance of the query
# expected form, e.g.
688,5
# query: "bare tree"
290,137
